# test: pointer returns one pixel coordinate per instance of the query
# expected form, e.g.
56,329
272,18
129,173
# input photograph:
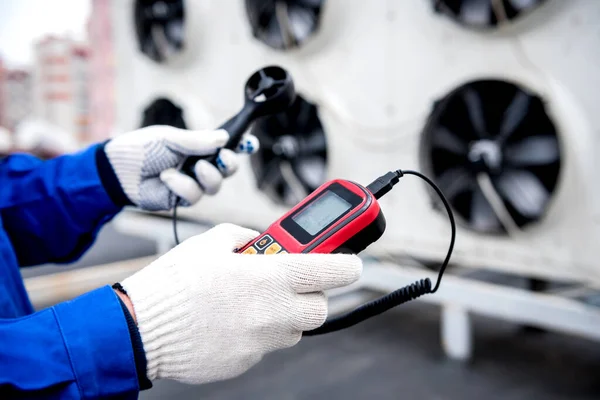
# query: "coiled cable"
405,294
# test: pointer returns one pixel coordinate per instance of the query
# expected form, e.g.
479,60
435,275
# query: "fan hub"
286,147
159,10
486,155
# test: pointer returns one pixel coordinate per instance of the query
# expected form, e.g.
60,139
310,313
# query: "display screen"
321,212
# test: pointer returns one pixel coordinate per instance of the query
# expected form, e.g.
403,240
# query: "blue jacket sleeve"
52,210
76,349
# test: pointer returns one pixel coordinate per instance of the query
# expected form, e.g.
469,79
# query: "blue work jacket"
50,212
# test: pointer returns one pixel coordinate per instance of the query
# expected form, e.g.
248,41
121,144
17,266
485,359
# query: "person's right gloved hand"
206,313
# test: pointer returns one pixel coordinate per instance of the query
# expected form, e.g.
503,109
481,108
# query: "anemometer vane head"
269,90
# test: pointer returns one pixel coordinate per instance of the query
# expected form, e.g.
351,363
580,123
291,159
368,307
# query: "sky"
24,21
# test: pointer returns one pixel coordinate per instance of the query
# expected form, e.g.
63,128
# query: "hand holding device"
206,313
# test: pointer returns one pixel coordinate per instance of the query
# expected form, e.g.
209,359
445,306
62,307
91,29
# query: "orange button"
263,242
273,249
250,250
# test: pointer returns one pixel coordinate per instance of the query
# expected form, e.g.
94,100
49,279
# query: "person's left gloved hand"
145,162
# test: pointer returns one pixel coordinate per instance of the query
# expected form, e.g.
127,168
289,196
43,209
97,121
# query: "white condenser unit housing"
497,101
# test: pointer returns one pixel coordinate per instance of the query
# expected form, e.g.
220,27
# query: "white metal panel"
374,69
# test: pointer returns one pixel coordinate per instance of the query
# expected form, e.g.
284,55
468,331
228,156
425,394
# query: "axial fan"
485,13
292,159
283,24
162,111
494,152
159,26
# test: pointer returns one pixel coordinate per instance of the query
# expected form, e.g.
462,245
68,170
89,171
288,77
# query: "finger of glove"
227,162
312,311
249,144
317,272
229,237
196,143
208,176
154,195
182,185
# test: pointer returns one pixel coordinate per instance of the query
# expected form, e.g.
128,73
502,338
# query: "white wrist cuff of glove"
159,311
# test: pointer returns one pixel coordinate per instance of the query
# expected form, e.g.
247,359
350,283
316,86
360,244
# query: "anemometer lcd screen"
322,212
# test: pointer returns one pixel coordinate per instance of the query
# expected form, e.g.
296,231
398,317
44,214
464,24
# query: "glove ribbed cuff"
109,178
159,313
139,354
126,163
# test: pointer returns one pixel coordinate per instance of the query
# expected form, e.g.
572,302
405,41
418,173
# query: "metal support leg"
457,338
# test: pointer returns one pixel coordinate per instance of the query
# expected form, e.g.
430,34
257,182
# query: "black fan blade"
455,181
524,191
284,121
266,142
523,4
476,12
269,174
282,15
475,110
315,144
310,172
301,22
482,217
174,31
534,150
149,48
303,112
273,33
514,115
309,3
446,140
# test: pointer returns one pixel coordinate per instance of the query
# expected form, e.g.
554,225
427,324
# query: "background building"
60,84
17,101
2,72
80,87
15,96
101,68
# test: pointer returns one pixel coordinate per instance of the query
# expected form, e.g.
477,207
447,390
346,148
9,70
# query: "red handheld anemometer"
344,217
339,217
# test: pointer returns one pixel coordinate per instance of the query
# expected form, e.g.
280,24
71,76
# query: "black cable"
450,217
379,187
175,220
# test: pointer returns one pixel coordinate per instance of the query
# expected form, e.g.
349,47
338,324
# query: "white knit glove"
145,162
206,313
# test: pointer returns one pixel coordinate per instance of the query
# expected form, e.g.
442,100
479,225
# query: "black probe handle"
235,126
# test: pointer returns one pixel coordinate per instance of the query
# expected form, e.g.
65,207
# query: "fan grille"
163,111
159,27
485,13
284,24
496,131
292,159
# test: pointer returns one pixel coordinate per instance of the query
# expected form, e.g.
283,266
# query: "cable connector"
384,183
